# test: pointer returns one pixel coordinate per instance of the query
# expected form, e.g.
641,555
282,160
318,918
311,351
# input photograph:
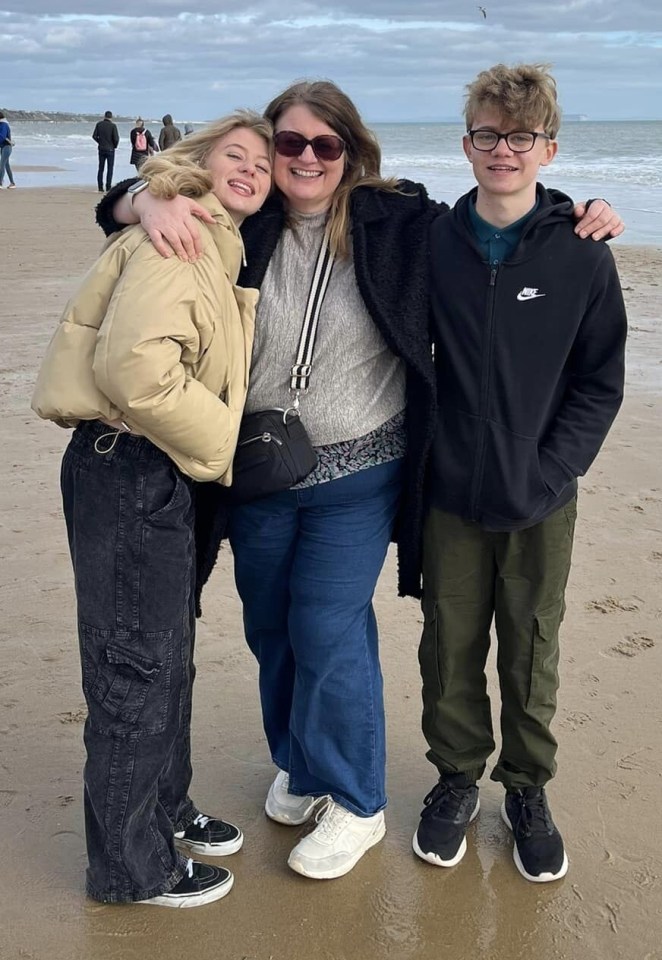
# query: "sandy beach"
606,797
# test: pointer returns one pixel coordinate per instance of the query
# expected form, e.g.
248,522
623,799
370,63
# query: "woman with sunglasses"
307,560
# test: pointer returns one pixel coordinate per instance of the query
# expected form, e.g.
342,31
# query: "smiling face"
240,166
307,183
501,173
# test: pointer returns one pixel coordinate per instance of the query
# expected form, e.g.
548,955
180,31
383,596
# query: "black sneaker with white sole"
200,884
449,809
538,853
210,837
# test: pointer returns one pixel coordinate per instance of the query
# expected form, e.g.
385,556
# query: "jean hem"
116,897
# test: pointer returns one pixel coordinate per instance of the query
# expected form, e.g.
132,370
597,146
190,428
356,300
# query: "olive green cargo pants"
470,577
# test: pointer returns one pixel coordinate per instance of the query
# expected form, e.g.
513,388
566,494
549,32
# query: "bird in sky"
484,12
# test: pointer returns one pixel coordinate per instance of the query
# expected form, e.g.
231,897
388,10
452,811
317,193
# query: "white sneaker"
337,843
284,807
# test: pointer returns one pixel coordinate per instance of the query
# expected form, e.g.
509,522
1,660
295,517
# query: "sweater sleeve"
104,209
595,389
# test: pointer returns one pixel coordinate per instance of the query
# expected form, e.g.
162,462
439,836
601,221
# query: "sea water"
621,161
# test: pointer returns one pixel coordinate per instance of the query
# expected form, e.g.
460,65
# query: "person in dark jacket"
529,329
107,138
307,560
143,144
169,133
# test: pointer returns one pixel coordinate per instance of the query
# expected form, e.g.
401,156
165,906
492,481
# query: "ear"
466,146
550,152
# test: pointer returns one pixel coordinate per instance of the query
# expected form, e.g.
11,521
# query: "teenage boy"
529,328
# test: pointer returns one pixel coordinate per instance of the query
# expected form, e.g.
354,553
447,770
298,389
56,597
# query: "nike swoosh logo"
529,296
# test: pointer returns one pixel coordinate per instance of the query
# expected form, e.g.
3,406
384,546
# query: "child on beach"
529,328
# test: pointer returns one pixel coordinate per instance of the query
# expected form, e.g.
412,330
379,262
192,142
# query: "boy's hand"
171,224
598,221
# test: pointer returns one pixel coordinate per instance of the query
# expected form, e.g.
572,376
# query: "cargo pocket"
126,680
544,679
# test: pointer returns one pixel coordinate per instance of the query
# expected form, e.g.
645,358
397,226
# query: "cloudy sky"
399,59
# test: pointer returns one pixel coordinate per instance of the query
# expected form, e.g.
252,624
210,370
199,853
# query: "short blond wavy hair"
524,94
181,168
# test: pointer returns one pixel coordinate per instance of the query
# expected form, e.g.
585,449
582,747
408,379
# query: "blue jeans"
306,566
129,520
5,154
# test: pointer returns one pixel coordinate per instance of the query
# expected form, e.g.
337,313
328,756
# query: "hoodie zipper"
485,384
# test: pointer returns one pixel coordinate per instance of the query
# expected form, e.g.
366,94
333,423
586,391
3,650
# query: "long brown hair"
362,152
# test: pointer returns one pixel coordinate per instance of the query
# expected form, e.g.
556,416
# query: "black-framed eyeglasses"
519,141
288,143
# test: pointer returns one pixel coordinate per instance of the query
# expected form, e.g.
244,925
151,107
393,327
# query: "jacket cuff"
104,209
555,475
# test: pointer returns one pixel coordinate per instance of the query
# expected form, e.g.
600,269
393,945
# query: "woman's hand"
171,224
598,221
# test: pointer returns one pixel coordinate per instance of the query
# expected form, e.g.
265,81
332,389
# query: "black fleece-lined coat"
392,265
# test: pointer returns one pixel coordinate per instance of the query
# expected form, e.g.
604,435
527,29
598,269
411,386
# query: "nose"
502,147
248,166
308,154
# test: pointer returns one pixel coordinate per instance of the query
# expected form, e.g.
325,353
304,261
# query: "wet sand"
392,906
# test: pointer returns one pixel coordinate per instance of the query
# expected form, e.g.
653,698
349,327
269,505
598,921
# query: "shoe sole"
434,858
314,874
211,849
277,816
194,900
543,877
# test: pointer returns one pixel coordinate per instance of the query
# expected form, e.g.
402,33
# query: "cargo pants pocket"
126,680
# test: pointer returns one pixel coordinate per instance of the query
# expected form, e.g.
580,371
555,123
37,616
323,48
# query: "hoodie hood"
167,119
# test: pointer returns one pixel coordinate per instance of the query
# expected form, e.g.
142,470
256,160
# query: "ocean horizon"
618,160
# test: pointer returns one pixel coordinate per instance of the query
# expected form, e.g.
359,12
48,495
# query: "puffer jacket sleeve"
151,324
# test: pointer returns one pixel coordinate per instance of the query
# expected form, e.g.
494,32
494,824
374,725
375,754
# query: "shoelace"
330,819
201,820
443,792
189,867
533,816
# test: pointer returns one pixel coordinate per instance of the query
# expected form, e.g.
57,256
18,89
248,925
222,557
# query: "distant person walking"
188,129
107,139
6,146
143,144
169,133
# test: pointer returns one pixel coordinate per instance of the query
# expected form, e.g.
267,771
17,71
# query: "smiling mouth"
502,168
306,174
242,187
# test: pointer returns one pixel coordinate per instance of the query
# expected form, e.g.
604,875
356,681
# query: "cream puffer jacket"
161,344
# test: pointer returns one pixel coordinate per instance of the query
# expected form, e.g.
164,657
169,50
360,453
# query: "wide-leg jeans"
306,566
129,517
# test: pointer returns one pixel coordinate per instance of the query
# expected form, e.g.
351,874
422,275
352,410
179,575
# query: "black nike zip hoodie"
529,359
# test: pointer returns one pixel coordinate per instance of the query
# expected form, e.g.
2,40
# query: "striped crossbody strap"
302,368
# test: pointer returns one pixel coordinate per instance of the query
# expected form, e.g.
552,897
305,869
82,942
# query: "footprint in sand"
631,646
612,605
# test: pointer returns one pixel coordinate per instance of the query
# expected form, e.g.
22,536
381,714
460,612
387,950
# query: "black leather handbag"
274,451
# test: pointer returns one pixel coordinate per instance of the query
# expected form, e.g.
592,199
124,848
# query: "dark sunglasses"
326,147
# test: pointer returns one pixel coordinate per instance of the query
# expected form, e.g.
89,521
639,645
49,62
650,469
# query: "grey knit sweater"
357,383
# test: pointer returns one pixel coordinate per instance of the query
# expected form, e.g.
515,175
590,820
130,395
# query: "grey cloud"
198,67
